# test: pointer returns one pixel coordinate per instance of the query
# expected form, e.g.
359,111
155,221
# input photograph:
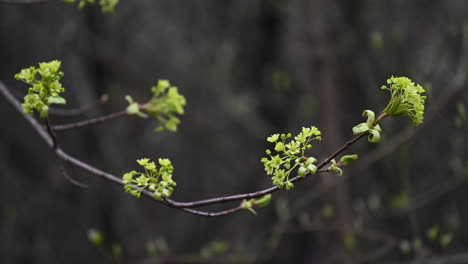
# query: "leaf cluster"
159,181
369,127
290,155
165,105
406,99
45,87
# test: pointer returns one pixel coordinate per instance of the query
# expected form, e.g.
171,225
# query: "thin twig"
90,122
70,179
51,133
78,111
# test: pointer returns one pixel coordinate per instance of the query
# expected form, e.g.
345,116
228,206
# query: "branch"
49,138
90,121
78,111
23,1
265,191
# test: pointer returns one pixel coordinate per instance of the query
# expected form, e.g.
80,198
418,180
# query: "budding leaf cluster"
165,105
159,181
107,6
45,87
369,127
260,202
290,155
406,99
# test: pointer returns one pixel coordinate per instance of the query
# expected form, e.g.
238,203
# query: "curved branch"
185,206
261,192
90,121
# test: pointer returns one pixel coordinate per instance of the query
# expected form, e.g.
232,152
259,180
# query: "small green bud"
273,138
334,168
302,171
247,205
374,136
312,169
95,237
446,239
361,128
310,160
433,232
348,159
263,201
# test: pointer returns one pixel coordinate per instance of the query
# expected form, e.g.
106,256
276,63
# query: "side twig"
90,121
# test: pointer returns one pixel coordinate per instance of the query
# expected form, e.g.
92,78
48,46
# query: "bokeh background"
248,68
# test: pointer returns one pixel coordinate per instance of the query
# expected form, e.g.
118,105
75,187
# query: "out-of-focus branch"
78,111
23,1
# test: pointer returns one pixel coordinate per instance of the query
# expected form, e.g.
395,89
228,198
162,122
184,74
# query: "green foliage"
159,181
107,6
349,241
433,232
348,159
261,202
95,237
334,168
290,155
165,104
45,87
406,99
369,127
446,239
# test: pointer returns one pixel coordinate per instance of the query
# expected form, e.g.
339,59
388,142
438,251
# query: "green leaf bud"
263,201
247,205
273,138
279,147
302,171
374,136
370,117
361,128
310,160
334,168
289,185
348,159
312,169
95,237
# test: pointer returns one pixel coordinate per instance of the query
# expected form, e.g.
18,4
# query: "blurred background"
248,69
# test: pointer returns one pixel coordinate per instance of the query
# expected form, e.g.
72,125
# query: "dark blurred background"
248,68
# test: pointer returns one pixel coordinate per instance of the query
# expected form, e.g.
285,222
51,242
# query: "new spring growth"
159,181
345,160
406,99
261,202
165,104
290,155
369,127
45,87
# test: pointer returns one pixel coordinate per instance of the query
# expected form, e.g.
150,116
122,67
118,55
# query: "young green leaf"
45,87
